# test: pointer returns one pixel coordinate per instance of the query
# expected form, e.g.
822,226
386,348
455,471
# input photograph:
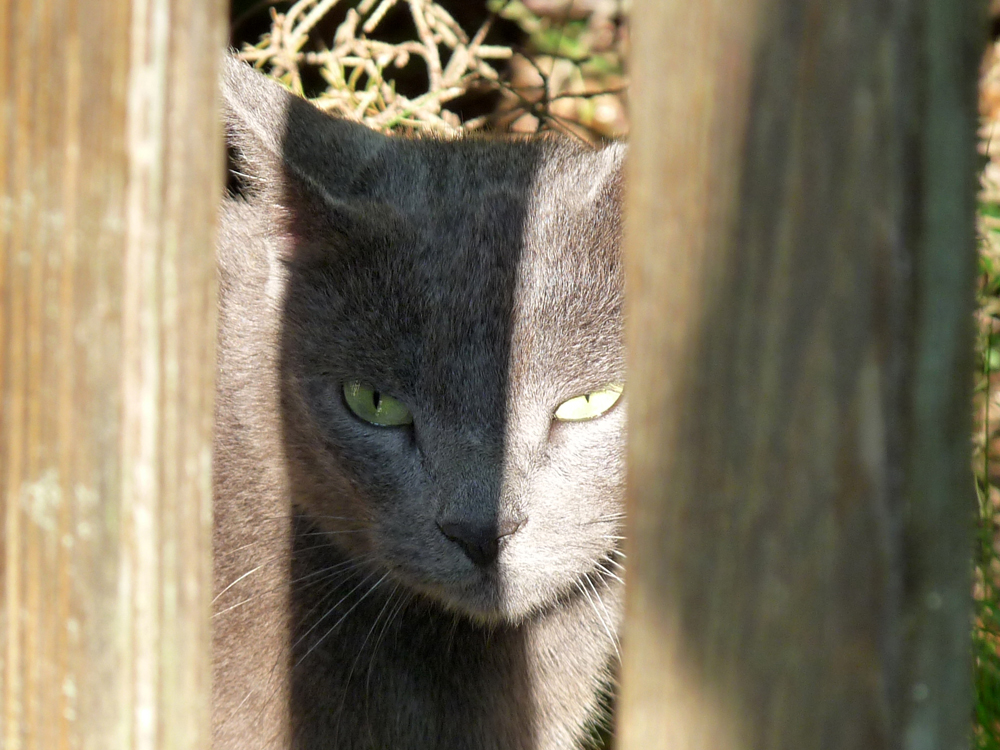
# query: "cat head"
451,347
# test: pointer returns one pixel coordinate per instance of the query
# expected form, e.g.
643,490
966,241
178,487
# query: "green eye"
589,405
375,407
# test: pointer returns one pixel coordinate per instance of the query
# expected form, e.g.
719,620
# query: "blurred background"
511,65
986,421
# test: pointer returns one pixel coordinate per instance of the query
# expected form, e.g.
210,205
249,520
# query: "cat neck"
414,669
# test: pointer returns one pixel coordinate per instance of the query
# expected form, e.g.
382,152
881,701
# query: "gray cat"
420,435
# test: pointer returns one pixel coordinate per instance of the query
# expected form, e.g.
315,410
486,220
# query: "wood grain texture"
799,260
110,173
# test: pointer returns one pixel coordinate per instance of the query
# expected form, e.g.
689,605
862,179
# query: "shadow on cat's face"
475,286
477,283
446,320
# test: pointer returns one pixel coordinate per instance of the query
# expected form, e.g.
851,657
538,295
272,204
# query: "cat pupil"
376,400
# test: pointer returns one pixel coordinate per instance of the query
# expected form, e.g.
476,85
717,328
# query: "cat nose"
479,541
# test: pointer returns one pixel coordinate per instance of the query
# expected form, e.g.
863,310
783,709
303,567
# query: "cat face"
441,301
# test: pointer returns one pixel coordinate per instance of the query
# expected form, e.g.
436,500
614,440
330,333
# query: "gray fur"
479,281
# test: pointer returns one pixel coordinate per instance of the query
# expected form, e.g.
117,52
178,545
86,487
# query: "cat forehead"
426,177
523,277
543,218
460,240
549,202
532,210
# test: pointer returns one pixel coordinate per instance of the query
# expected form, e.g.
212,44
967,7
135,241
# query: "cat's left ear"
300,163
279,137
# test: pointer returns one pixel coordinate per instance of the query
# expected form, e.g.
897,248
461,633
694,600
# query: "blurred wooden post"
800,254
110,172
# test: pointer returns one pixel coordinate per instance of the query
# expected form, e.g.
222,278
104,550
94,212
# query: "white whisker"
388,600
342,617
330,611
600,617
249,572
400,606
617,564
609,573
330,533
234,606
236,710
348,564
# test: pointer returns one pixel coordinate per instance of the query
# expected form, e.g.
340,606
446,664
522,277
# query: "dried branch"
356,66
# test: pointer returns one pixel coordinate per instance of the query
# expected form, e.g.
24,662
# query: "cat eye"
374,407
589,405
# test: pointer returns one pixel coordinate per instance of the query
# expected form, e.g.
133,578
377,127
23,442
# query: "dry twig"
356,65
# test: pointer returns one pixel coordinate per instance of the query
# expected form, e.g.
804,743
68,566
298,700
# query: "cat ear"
609,176
299,163
280,138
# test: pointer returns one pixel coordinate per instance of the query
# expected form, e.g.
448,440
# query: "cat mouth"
483,596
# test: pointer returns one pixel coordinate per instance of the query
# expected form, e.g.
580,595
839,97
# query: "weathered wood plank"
110,169
799,266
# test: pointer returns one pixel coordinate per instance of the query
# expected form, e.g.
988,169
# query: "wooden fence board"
110,171
799,258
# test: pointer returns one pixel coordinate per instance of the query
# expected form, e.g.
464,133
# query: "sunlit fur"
479,282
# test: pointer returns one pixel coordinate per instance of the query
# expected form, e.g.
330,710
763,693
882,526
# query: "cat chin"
484,602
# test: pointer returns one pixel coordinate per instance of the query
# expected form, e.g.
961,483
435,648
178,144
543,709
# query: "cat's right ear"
278,137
